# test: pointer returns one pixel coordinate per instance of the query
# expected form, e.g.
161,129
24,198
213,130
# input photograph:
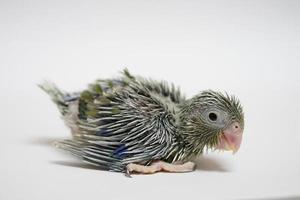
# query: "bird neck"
188,145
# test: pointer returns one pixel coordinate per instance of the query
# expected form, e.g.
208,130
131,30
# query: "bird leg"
160,166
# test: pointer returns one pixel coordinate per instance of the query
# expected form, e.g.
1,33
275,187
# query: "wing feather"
125,121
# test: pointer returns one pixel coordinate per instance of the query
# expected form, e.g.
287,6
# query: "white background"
248,48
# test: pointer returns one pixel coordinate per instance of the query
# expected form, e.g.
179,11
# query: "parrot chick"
132,124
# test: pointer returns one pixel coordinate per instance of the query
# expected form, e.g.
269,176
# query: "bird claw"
127,173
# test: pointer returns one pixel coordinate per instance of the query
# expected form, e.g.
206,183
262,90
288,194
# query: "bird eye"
212,116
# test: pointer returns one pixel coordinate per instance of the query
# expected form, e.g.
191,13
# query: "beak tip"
230,141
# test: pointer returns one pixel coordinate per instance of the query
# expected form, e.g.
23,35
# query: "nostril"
236,126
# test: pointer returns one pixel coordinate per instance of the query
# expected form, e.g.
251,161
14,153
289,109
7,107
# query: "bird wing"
129,121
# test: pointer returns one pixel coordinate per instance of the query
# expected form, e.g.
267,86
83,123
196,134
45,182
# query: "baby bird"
132,124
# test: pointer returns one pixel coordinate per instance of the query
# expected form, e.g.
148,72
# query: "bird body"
132,121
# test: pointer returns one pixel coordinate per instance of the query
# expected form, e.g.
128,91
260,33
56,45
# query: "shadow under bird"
132,124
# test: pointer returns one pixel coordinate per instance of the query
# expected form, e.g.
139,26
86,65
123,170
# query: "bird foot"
158,166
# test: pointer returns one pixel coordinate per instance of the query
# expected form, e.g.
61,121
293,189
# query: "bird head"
214,120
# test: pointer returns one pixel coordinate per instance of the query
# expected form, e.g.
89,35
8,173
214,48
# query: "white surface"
248,48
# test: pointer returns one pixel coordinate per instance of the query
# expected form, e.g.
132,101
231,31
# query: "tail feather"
69,145
90,154
57,96
95,154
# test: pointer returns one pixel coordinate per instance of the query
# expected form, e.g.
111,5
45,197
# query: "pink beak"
231,138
